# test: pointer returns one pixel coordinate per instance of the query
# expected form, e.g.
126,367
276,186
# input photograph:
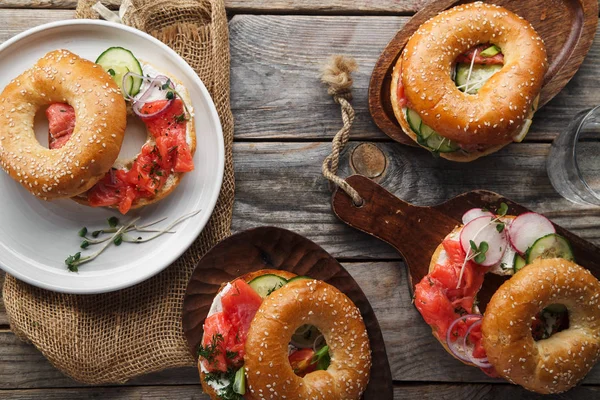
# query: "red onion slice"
454,346
480,362
155,84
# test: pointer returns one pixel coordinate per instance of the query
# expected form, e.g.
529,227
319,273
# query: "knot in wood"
368,160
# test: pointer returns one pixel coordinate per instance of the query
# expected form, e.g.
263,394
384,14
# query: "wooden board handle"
403,225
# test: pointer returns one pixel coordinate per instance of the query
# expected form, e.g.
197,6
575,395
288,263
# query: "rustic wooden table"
284,123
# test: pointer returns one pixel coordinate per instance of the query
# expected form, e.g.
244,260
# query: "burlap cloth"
115,336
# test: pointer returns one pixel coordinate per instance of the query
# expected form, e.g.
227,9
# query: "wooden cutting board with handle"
567,27
417,231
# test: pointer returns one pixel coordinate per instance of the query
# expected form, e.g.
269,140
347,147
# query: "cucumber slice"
519,263
264,285
298,278
479,76
426,131
413,120
118,61
550,246
440,144
490,51
239,382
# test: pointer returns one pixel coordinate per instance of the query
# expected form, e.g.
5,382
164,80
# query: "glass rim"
575,144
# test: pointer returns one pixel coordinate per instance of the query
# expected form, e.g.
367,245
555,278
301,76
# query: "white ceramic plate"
36,236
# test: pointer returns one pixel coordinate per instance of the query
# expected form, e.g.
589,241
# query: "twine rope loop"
337,76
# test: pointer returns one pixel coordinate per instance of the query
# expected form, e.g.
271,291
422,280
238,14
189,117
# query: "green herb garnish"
209,351
170,95
113,222
322,358
111,72
117,235
502,210
500,227
180,118
479,252
166,85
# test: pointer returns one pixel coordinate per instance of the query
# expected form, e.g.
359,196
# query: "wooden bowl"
567,27
270,247
417,231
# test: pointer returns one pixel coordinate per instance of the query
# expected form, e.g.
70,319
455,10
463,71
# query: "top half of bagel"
501,111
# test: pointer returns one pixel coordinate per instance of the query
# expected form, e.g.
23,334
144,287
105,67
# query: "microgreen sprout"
477,254
118,235
113,221
73,262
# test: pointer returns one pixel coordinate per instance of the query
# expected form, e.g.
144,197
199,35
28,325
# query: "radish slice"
456,346
482,229
475,213
527,228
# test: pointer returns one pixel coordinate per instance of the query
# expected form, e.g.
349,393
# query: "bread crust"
209,390
555,364
61,77
175,178
496,114
337,318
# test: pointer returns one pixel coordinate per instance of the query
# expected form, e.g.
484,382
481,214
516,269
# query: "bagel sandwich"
273,329
163,104
468,81
529,315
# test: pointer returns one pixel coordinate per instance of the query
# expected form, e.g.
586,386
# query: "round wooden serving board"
275,248
417,231
567,27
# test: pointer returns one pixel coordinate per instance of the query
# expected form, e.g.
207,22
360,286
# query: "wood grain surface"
401,392
265,6
284,120
276,60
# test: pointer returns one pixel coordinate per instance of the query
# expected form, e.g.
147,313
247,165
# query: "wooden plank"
275,77
265,6
276,94
414,355
401,392
13,22
302,200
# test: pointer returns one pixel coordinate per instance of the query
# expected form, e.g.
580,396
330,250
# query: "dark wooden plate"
567,27
417,231
276,248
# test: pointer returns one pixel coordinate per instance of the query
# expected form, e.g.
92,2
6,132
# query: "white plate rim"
204,214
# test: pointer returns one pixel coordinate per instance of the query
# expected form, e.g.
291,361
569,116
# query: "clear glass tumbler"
574,162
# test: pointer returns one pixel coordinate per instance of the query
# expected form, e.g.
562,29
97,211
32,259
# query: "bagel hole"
41,126
552,319
64,124
470,77
135,137
307,352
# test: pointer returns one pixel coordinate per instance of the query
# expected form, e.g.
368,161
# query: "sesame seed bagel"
206,387
269,373
496,114
555,364
61,76
174,178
